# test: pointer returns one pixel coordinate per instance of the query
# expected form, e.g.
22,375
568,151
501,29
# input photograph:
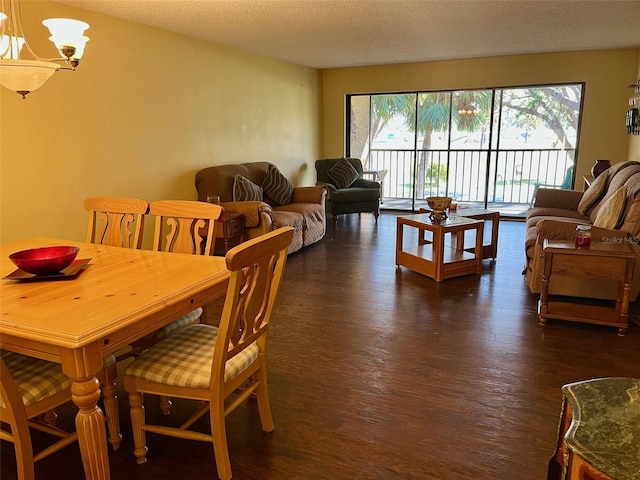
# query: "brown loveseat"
305,212
556,213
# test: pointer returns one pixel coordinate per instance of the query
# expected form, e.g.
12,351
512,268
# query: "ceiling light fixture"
24,76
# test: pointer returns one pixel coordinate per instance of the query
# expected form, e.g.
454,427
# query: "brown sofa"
555,215
305,213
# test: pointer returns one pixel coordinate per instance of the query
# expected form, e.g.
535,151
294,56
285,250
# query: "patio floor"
507,210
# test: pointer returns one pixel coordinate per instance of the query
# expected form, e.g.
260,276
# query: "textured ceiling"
341,33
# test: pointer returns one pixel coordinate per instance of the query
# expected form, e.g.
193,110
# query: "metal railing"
480,176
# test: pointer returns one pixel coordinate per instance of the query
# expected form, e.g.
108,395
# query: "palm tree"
427,113
470,110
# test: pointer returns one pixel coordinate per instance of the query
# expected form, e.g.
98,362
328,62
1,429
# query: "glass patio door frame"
490,156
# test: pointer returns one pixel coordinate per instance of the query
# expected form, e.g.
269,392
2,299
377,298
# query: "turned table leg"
81,366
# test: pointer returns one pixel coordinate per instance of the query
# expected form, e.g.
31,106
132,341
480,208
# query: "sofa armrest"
309,194
364,183
566,230
250,210
330,187
557,229
556,198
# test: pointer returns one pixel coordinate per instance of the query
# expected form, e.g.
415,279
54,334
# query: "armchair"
361,195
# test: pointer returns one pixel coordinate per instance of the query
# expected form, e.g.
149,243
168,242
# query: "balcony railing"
477,176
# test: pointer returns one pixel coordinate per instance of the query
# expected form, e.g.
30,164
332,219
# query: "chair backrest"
116,221
184,226
567,182
257,267
324,165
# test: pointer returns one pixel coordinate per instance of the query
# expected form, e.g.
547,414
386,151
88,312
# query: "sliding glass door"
490,148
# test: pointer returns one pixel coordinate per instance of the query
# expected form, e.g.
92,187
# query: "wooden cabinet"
599,434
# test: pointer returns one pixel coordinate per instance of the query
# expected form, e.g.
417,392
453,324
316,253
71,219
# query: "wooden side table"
229,231
599,261
431,257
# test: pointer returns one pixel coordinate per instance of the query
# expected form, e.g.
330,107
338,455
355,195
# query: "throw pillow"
611,210
593,193
631,223
277,186
244,190
343,174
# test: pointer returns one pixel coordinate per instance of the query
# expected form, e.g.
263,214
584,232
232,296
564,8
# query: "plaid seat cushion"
35,379
108,360
184,359
191,318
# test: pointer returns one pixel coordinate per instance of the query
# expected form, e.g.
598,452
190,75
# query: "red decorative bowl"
44,261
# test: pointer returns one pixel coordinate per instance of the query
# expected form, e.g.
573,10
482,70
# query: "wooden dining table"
118,297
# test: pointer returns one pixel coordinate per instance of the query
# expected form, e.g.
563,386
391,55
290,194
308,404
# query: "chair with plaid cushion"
210,364
31,388
118,222
181,226
184,226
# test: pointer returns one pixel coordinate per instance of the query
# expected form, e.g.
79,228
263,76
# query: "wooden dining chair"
119,222
184,226
181,226
211,364
116,221
30,389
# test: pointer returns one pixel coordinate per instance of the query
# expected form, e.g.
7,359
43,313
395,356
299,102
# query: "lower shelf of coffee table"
421,259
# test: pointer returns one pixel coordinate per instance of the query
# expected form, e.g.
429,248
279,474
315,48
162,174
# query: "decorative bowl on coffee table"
438,206
45,260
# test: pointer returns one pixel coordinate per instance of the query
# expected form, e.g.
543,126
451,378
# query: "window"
490,146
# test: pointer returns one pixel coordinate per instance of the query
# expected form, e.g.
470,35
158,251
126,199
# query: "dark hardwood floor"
381,373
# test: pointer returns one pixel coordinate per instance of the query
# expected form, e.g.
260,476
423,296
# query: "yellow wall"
148,108
144,112
634,140
606,73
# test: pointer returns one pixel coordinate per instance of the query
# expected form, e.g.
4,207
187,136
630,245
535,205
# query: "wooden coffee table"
599,261
489,250
433,257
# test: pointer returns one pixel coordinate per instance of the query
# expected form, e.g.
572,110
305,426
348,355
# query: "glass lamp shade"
66,32
25,75
77,45
10,46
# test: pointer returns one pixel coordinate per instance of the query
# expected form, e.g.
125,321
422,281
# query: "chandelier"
26,75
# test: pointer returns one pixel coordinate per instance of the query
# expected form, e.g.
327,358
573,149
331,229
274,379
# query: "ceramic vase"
599,167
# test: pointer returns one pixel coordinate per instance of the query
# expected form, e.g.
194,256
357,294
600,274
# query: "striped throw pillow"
244,190
277,186
611,210
343,174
